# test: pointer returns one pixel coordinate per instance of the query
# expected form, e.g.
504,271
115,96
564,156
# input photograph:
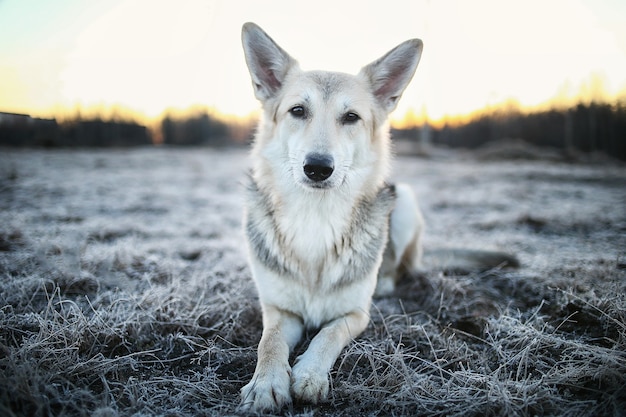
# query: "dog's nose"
318,167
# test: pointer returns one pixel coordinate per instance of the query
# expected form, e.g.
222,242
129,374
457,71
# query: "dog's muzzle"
318,167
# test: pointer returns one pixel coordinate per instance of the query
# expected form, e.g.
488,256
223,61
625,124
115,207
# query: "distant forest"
21,130
584,128
198,129
594,127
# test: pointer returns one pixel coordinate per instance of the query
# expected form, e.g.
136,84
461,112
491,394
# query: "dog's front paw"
265,393
309,384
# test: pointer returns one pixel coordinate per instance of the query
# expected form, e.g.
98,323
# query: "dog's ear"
390,74
268,63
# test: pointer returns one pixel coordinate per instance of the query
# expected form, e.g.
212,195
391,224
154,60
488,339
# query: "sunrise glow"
138,58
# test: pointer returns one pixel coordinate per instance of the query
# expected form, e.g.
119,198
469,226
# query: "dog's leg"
404,247
269,387
310,372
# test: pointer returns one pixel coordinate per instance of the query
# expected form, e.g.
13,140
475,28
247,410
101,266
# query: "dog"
324,229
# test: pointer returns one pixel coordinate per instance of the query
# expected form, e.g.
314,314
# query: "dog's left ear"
390,74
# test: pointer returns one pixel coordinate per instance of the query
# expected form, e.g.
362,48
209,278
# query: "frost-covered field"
124,290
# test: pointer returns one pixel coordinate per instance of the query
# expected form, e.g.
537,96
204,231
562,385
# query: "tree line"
586,127
20,130
197,129
592,127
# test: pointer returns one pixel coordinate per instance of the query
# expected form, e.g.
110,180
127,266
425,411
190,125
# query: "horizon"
142,59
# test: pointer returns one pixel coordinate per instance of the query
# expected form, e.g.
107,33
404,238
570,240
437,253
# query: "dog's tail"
465,261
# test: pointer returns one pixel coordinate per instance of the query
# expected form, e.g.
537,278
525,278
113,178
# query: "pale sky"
150,55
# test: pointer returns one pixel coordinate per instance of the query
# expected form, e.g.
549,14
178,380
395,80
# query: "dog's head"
325,129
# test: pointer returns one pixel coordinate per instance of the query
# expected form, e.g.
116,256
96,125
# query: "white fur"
302,226
404,247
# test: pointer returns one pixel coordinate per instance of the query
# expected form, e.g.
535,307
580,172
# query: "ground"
125,290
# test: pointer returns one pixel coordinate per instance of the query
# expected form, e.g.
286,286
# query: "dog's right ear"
268,63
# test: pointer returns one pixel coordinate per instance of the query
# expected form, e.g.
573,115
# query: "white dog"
319,215
318,210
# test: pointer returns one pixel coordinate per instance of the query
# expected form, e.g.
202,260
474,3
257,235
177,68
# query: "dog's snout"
318,167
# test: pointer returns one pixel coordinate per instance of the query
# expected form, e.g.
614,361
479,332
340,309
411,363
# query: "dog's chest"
321,245
312,231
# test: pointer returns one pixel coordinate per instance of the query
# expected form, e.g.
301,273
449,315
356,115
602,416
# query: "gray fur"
358,249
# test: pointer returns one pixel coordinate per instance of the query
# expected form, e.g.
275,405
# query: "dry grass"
124,290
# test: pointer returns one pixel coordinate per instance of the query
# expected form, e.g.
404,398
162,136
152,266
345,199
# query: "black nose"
318,167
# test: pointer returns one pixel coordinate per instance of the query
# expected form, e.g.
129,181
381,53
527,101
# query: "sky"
57,56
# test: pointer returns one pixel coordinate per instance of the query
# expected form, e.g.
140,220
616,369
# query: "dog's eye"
350,118
298,112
